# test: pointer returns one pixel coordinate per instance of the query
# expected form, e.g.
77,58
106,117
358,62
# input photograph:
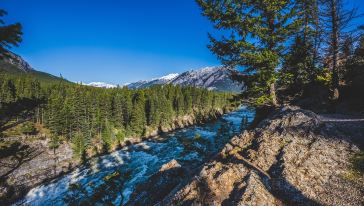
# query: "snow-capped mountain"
212,78
169,76
101,84
147,83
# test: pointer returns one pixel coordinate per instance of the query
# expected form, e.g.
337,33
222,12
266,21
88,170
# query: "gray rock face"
32,164
212,78
291,158
18,62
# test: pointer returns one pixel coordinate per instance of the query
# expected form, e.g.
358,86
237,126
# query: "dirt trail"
341,118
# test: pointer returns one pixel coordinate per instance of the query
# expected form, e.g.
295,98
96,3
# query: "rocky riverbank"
33,163
294,157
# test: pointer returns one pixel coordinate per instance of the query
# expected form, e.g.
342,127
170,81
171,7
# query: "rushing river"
111,178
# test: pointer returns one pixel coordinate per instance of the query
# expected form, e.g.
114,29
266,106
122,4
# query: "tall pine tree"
10,35
258,32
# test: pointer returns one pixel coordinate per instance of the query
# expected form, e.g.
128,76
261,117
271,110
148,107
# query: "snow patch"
169,76
101,84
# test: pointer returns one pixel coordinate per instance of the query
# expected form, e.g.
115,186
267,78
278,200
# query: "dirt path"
350,126
341,118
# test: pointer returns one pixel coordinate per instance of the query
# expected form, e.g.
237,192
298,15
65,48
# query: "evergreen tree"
354,76
259,30
85,114
298,66
79,146
138,117
336,20
10,35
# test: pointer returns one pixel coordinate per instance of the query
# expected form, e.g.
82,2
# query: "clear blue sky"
114,41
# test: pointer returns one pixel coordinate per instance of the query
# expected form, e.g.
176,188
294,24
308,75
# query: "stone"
290,158
172,164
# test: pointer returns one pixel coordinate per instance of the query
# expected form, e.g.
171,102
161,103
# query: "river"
111,178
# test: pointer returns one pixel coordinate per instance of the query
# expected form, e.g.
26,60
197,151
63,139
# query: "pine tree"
354,76
10,35
336,20
79,145
259,30
138,118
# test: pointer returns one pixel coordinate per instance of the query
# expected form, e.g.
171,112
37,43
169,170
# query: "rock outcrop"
33,163
18,62
291,158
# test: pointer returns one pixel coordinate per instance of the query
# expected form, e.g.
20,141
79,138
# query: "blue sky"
114,41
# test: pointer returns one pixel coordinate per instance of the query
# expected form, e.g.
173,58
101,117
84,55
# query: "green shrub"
28,128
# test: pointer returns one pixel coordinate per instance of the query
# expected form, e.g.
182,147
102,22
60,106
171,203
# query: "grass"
358,162
356,172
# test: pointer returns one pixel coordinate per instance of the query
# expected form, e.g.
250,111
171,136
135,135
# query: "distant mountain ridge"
18,62
14,65
211,78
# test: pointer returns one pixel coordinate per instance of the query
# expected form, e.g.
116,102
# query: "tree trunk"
273,94
335,50
317,40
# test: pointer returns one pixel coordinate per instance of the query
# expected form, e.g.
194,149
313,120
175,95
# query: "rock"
159,185
172,164
291,158
32,164
18,62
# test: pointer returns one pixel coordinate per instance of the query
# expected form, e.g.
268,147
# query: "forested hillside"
89,116
9,67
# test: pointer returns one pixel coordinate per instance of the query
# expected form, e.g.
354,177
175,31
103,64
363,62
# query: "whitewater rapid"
111,178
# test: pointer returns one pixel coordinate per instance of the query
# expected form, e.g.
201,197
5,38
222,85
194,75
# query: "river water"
110,179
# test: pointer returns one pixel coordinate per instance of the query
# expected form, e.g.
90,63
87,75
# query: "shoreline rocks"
290,158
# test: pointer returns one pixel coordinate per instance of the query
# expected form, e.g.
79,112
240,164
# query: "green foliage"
28,128
356,172
10,35
358,162
79,145
54,142
258,31
324,77
120,135
354,75
298,68
83,114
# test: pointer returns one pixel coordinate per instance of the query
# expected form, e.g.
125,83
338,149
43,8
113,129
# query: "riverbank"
35,163
293,157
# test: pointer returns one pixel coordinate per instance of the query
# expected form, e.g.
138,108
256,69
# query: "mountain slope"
212,78
14,65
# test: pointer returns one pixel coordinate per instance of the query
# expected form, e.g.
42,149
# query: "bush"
28,128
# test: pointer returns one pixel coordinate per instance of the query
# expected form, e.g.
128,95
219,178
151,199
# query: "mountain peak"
17,61
169,76
101,84
212,78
